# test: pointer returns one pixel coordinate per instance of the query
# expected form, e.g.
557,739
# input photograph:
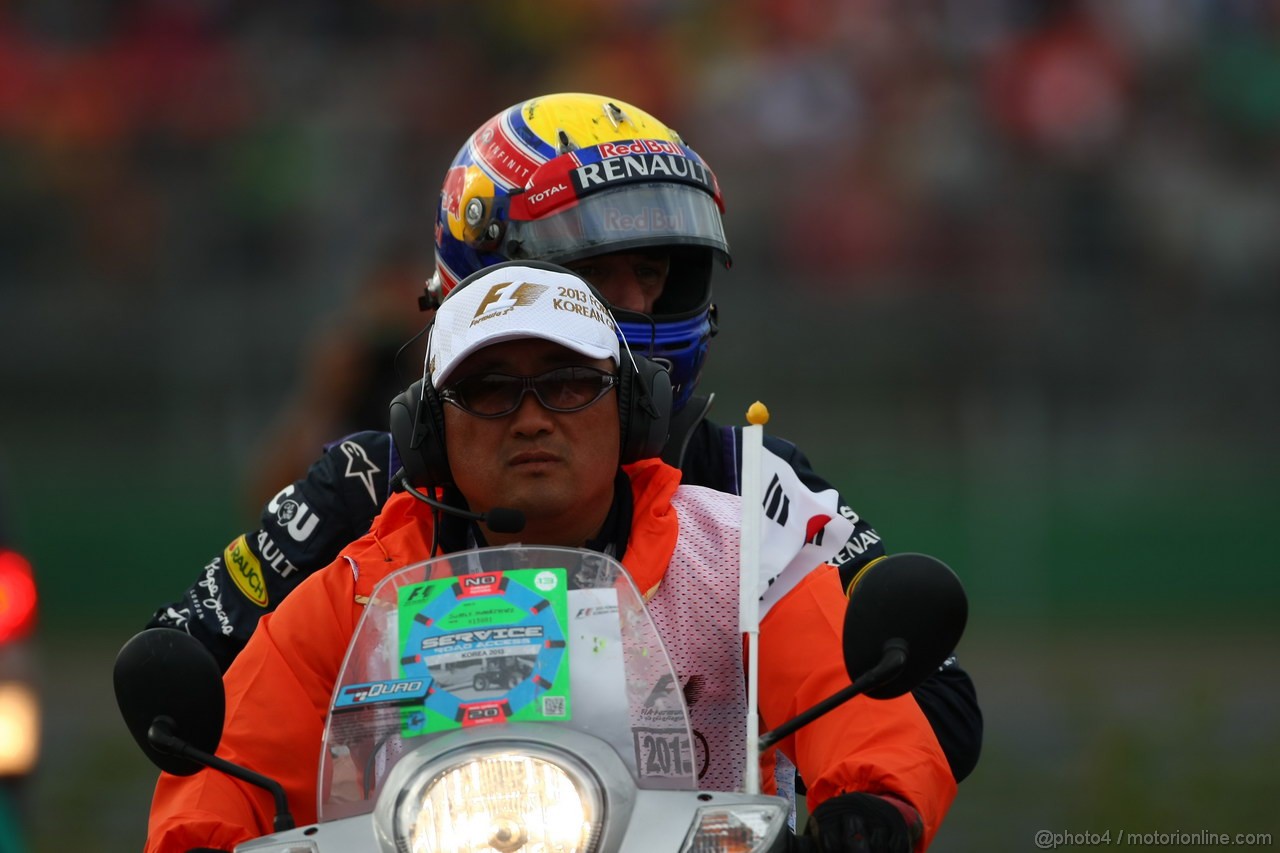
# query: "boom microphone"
499,519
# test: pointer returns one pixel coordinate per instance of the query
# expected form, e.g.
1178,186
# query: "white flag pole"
749,579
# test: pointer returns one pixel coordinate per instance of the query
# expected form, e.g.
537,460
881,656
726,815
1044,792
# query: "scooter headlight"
529,801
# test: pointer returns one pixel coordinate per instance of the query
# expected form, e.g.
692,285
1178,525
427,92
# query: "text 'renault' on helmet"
570,176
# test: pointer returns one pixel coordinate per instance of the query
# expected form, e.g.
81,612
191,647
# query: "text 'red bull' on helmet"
570,176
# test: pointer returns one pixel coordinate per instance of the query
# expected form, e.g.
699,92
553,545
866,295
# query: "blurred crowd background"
1006,269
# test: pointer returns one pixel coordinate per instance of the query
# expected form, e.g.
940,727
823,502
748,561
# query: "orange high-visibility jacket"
279,688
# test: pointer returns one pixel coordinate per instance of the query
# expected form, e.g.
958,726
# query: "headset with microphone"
644,395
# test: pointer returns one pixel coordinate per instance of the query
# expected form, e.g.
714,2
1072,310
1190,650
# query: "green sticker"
492,645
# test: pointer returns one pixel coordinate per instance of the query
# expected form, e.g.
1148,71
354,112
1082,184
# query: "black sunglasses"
561,389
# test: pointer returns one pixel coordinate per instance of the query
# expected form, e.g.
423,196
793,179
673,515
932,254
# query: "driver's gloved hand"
860,823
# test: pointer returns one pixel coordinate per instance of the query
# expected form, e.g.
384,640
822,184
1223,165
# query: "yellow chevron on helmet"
587,120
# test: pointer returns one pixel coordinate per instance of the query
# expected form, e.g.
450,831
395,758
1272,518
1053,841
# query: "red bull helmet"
563,177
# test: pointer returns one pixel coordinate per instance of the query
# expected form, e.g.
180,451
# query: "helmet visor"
632,216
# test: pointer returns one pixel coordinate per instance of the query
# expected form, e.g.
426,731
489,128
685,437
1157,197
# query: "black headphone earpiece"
417,429
644,407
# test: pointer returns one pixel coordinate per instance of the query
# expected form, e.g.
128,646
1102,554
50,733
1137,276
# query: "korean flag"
799,529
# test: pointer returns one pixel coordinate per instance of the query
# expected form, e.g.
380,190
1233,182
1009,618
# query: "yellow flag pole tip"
757,414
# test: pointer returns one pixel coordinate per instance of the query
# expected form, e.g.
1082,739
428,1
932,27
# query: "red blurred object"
17,597
1062,88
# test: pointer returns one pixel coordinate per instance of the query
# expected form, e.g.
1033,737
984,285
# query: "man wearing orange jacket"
521,356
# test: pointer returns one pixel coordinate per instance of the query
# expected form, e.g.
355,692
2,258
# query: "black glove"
860,823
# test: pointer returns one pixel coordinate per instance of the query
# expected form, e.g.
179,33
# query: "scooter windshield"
557,636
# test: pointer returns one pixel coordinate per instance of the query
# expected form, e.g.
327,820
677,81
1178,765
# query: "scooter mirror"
910,599
165,673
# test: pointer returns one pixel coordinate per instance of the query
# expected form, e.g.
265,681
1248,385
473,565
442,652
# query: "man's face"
631,281
556,467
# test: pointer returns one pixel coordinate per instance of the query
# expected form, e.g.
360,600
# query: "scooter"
589,750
